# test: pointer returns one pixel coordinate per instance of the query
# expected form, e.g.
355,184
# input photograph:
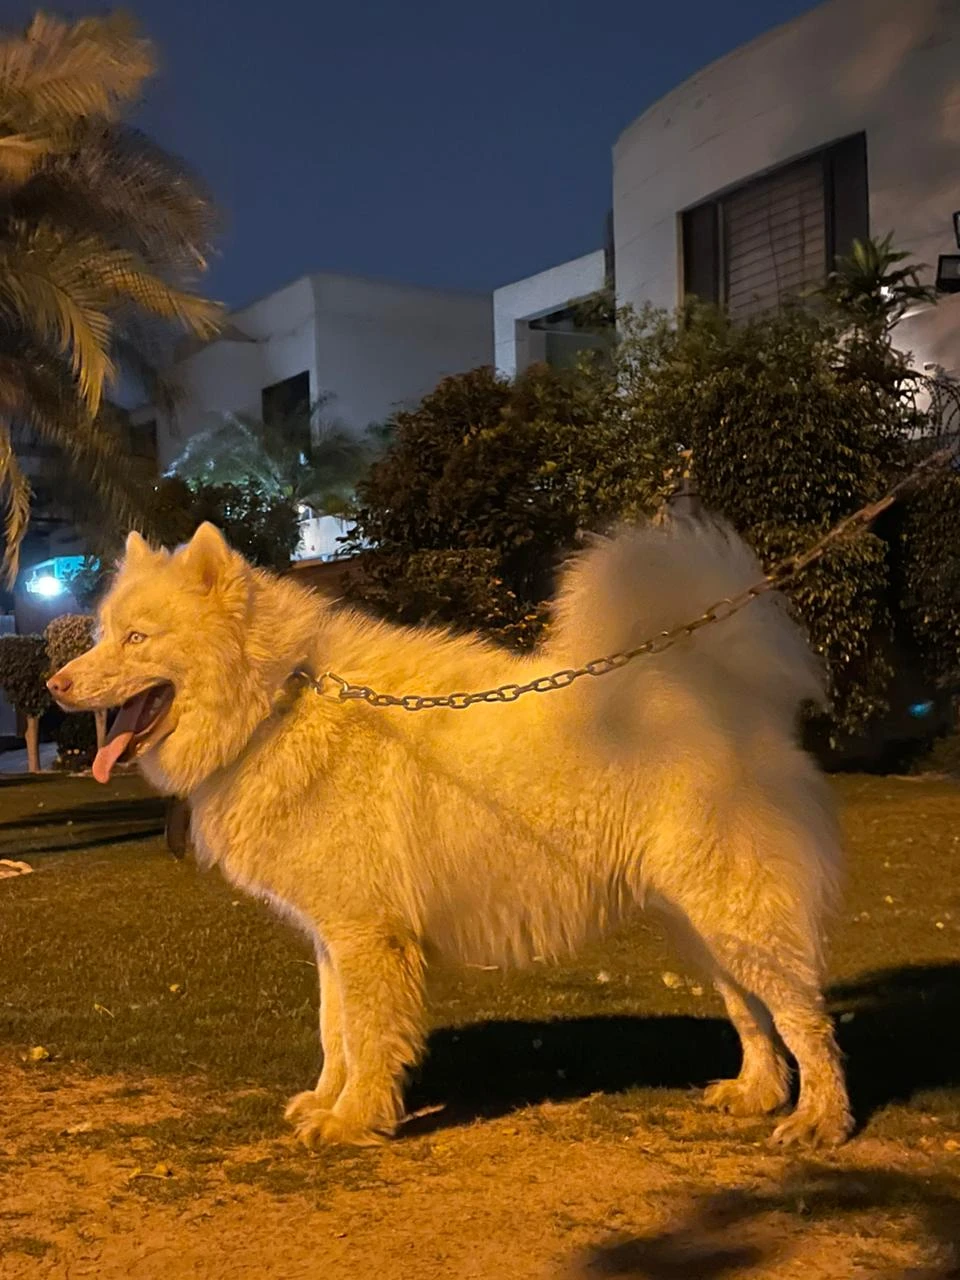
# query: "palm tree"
102,234
299,456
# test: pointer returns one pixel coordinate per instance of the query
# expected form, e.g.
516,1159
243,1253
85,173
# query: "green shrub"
263,527
76,742
942,757
67,637
24,667
786,424
486,483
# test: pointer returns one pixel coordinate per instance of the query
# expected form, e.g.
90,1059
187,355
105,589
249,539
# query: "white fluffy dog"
497,833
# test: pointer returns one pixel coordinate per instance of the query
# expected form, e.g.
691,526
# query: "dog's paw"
741,1097
813,1128
316,1125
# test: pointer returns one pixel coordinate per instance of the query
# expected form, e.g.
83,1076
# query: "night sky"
429,141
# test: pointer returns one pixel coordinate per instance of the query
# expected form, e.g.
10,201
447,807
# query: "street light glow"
46,585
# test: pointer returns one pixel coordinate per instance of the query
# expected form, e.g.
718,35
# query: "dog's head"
172,654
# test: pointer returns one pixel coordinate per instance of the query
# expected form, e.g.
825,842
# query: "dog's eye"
135,637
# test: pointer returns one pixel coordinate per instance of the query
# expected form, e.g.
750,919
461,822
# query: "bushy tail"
752,668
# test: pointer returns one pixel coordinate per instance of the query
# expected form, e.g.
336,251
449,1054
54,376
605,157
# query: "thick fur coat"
500,832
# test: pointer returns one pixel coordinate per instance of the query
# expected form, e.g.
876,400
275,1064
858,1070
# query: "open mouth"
134,728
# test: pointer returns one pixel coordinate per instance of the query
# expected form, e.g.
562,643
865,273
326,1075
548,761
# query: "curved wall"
889,68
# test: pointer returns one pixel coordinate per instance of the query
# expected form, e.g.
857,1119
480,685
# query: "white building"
370,345
531,322
744,182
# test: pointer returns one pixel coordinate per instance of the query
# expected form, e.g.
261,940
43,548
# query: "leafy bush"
930,575
943,756
263,527
76,742
786,423
785,441
24,667
487,482
68,636
78,735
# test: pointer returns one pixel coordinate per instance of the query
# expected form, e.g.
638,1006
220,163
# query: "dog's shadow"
740,1231
899,1030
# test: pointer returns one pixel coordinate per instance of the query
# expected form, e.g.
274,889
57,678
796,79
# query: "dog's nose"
58,684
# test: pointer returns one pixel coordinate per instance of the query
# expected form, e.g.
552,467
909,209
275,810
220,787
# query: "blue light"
920,709
45,585
52,577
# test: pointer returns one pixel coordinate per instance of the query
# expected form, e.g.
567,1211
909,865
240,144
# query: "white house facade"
530,316
743,183
371,346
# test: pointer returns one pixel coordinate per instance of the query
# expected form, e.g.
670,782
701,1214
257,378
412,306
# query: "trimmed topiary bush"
24,667
78,736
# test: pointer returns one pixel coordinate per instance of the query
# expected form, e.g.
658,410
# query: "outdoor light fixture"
47,586
948,272
52,578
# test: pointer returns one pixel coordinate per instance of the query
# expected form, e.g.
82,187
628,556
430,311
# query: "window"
769,239
564,335
286,399
143,439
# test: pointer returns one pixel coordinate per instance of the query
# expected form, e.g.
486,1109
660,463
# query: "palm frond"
94,446
123,278
50,284
101,234
116,183
38,392
20,154
314,463
226,450
65,289
15,488
57,72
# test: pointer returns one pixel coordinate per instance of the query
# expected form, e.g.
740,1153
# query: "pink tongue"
120,737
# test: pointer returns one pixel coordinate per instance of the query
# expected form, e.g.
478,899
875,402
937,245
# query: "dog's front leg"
377,975
333,1073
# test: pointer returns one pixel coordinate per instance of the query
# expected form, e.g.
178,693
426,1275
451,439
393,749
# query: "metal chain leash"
783,572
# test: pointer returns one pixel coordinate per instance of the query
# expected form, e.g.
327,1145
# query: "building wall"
888,67
383,346
371,345
229,374
515,345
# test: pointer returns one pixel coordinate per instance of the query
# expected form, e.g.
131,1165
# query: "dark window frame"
144,439
286,398
846,196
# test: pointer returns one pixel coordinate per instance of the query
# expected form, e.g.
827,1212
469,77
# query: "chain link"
784,571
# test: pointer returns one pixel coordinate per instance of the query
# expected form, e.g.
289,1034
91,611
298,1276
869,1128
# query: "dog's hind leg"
780,976
763,1084
763,949
379,977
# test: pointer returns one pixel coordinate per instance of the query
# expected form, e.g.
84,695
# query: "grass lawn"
152,1022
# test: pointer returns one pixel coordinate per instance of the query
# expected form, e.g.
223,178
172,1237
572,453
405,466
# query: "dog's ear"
137,551
208,558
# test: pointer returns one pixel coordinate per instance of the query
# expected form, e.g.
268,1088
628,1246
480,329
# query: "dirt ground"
548,1192
152,1024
